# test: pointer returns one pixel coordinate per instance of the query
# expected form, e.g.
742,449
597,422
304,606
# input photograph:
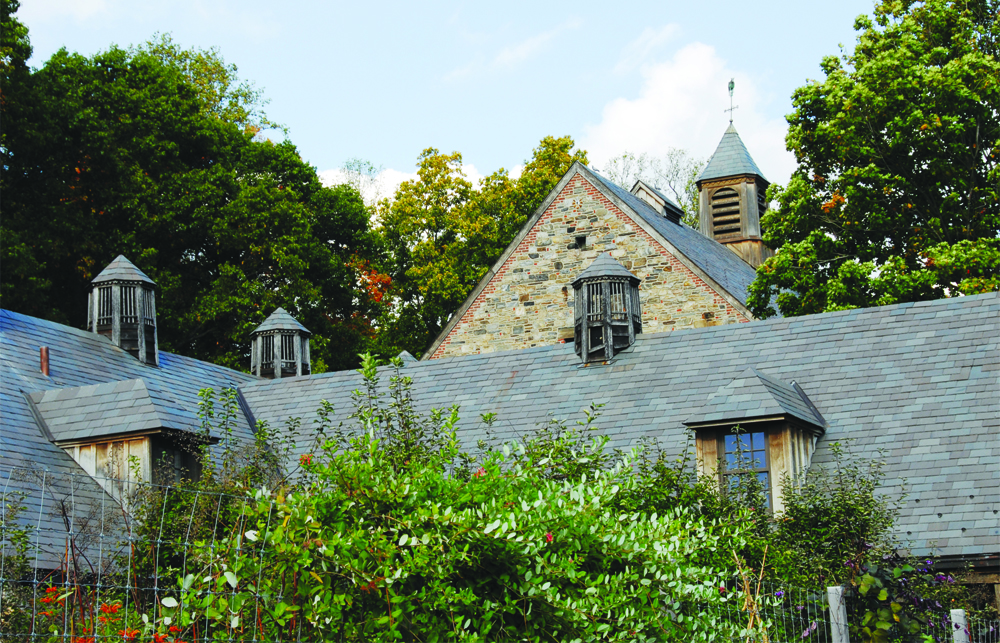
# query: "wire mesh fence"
786,614
89,559
984,631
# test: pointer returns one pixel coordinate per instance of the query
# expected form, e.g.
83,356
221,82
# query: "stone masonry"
529,302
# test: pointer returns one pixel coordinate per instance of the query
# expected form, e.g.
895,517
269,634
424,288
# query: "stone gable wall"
529,302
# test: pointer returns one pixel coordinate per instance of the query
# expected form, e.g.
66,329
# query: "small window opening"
129,313
104,307
581,242
745,467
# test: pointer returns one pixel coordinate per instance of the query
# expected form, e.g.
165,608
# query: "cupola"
122,307
279,347
607,315
731,200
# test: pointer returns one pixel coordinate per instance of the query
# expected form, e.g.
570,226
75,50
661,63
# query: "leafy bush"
368,551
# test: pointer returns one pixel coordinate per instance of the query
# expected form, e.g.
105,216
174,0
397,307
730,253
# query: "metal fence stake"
838,615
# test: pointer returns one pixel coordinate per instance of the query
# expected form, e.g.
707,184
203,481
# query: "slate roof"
113,408
121,269
605,266
281,320
731,158
918,380
753,395
79,360
721,264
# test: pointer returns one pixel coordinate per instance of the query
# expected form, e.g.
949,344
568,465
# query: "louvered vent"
725,214
761,204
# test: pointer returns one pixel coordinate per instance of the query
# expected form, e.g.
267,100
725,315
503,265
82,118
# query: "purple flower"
800,607
779,593
809,630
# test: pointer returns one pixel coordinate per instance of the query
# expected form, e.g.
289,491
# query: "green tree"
120,153
442,235
217,84
422,232
896,195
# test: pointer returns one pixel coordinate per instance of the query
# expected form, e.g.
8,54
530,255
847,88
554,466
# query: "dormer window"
760,426
607,316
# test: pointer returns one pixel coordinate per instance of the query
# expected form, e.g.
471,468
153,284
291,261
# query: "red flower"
548,537
306,459
722,590
52,590
480,472
110,609
174,629
127,634
159,638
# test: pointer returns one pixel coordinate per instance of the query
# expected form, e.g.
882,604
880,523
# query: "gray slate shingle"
81,360
724,266
731,158
871,388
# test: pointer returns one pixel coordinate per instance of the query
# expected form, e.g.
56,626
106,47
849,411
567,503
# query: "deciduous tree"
120,153
896,195
442,235
675,174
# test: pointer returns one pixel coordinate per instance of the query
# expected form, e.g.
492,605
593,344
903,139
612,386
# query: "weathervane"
731,106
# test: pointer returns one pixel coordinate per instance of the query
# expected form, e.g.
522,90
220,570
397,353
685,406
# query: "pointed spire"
605,266
281,320
121,269
731,158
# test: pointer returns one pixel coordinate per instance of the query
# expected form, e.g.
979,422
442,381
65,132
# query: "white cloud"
639,50
513,54
521,51
681,104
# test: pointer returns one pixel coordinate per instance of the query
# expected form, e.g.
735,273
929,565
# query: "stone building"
687,281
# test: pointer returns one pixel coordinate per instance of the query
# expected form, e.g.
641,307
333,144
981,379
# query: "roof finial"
731,106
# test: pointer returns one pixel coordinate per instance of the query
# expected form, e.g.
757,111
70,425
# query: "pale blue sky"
383,81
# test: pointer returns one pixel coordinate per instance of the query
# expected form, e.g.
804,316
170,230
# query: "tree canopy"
442,235
896,193
128,152
676,174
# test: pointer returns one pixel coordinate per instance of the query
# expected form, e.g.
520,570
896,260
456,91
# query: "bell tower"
731,198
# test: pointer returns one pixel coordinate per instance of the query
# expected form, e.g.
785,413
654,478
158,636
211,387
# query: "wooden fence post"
960,627
838,615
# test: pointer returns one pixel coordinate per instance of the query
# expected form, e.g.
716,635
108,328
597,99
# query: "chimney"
43,359
279,347
122,307
607,314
